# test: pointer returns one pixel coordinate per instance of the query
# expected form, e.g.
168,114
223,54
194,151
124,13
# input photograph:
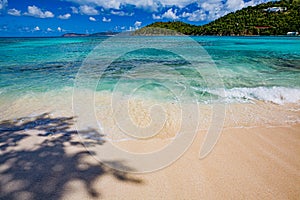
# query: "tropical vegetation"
257,20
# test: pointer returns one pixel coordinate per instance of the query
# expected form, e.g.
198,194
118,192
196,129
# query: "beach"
42,156
246,163
64,136
260,162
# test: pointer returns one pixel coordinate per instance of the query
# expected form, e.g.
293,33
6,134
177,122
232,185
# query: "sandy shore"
246,163
256,157
254,163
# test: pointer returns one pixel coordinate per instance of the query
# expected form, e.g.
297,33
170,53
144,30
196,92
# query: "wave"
277,95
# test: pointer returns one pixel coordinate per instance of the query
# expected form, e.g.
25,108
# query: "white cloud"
14,12
198,15
37,12
214,9
104,19
121,13
152,5
131,28
49,30
92,19
255,2
178,3
211,5
156,16
170,14
3,4
59,29
88,10
117,4
234,5
74,10
217,8
37,28
137,24
65,16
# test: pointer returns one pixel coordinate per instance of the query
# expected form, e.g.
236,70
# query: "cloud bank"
167,9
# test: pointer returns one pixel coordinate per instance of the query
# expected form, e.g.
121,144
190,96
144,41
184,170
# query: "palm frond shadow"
44,171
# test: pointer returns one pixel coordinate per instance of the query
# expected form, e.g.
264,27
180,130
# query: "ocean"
251,68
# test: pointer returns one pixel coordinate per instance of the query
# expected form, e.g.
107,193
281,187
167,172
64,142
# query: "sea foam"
277,95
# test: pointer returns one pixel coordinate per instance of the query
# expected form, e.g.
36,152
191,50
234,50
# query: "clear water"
251,68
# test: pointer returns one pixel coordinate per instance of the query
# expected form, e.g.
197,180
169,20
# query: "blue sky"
56,17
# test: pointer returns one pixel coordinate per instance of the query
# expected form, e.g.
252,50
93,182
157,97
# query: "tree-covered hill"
262,19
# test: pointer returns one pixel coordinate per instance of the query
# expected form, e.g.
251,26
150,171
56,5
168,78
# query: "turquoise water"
251,68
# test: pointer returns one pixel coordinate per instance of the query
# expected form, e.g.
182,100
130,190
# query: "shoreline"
59,103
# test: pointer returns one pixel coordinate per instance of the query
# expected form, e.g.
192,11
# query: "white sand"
256,157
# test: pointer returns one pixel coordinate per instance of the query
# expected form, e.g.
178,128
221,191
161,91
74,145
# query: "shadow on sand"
44,170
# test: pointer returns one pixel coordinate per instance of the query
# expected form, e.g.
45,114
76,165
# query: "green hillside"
262,19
